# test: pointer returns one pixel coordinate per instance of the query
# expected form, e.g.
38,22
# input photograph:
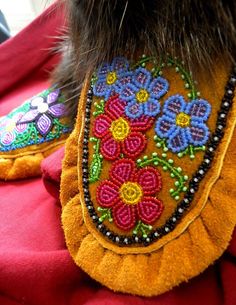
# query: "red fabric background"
35,266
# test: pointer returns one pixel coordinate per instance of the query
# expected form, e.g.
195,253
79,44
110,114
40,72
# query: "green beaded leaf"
142,229
96,164
99,108
95,168
105,214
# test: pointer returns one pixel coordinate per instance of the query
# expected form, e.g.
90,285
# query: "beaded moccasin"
31,132
148,184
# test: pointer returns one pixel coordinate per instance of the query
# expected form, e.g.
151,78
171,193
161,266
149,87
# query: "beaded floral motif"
36,121
183,124
9,129
110,78
118,133
143,93
130,194
195,111
43,110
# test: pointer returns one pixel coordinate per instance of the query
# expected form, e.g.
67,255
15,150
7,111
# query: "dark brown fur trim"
196,31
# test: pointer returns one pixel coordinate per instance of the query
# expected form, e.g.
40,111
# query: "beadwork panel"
149,139
39,120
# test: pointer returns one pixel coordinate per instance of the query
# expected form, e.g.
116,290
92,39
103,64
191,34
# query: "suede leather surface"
198,240
36,267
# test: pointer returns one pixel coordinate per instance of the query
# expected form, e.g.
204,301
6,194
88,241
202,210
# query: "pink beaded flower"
130,193
118,133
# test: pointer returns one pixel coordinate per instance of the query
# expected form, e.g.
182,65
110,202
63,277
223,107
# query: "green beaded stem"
105,214
99,108
185,76
191,150
167,165
96,164
142,62
156,70
161,143
94,79
142,228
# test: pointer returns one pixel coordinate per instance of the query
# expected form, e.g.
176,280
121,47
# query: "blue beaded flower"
112,77
182,124
142,94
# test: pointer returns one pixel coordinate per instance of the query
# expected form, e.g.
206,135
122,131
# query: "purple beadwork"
9,128
142,94
43,110
111,78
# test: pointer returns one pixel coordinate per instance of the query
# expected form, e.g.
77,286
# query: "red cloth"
35,266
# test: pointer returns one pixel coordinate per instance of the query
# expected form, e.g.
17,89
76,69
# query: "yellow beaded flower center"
11,126
120,129
142,96
131,192
183,120
111,78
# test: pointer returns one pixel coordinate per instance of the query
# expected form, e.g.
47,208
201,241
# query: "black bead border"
213,143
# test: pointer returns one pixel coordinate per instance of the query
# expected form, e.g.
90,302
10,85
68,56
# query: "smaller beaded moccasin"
31,132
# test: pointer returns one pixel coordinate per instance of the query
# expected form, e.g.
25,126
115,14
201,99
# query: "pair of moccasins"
147,186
